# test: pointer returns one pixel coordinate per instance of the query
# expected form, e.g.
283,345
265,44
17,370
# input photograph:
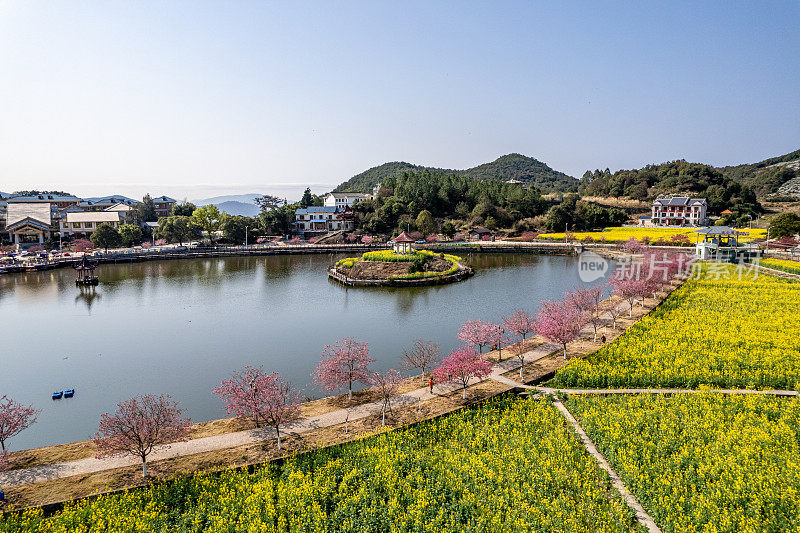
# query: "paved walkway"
207,444
36,474
92,465
779,273
641,515
551,390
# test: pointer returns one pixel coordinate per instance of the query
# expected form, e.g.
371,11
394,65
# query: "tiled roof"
93,216
348,194
43,198
33,210
314,209
114,199
679,201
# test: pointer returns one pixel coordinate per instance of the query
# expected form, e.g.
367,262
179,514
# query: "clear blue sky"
199,98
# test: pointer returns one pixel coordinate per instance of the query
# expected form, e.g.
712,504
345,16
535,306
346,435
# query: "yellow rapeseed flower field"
792,267
507,465
703,462
742,333
621,234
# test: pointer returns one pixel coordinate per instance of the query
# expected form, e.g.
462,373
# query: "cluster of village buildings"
44,216
336,214
40,217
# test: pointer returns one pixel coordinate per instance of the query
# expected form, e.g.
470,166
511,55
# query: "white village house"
83,224
345,199
319,220
677,211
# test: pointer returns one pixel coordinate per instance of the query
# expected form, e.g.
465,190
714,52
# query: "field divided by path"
724,333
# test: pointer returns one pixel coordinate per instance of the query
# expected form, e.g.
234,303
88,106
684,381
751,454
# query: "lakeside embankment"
544,360
197,252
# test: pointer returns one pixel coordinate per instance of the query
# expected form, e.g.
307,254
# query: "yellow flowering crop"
740,333
508,465
792,267
703,462
621,234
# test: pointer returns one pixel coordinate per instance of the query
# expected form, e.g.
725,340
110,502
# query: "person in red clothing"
431,384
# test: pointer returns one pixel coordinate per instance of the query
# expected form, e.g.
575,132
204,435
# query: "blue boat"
58,395
69,393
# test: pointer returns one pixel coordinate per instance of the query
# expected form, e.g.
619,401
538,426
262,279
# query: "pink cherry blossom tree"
496,337
423,355
261,397
81,245
343,363
627,288
632,246
475,332
139,425
460,367
14,417
587,301
520,323
387,384
282,405
559,322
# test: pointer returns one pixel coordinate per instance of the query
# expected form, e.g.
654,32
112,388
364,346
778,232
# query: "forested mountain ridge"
676,177
724,187
766,177
512,166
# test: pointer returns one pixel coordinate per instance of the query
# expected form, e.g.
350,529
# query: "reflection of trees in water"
31,283
284,266
87,295
478,260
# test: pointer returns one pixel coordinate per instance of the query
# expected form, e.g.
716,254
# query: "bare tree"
387,383
423,355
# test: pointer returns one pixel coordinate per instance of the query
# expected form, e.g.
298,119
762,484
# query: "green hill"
676,177
512,166
766,177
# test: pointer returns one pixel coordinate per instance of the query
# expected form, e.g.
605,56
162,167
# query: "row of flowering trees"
144,422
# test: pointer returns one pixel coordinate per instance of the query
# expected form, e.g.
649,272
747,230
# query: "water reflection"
87,296
182,326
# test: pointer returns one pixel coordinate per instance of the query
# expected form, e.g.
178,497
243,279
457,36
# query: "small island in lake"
400,267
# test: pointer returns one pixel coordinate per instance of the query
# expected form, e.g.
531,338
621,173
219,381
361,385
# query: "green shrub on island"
418,264
421,275
417,260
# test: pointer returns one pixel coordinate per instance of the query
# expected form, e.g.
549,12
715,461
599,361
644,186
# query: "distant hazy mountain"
512,166
4,195
238,208
233,204
216,200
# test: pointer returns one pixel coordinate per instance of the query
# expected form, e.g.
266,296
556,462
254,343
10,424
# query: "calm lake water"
181,326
